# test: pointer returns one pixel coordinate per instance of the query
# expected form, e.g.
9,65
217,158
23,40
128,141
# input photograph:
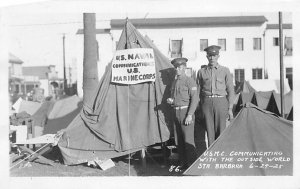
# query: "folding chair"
24,144
46,140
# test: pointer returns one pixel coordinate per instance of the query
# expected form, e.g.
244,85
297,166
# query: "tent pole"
264,37
281,64
126,43
142,152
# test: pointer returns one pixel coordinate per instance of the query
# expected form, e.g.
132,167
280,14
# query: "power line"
57,23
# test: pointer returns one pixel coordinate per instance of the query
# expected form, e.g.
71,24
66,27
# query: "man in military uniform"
216,91
184,99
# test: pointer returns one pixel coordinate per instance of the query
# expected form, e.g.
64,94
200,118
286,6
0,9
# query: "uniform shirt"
184,93
216,80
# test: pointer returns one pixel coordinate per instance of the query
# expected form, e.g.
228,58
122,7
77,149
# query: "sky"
35,30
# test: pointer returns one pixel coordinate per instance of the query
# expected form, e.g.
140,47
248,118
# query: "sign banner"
132,66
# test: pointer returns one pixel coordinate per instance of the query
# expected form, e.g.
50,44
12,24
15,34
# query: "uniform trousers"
185,137
215,112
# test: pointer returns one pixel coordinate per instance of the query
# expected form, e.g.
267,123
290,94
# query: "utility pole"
64,61
70,75
281,64
264,46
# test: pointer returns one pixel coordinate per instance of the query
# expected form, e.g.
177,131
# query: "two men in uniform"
215,89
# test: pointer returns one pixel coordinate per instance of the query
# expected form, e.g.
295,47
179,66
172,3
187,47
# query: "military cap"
212,50
179,61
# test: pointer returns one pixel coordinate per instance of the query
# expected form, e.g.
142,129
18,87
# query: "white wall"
16,69
231,58
45,85
272,54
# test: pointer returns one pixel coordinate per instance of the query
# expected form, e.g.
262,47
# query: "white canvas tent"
269,85
28,106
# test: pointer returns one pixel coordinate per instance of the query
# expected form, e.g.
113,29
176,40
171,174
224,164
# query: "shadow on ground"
124,166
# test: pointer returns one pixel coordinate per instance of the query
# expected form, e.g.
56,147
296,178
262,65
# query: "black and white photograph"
145,93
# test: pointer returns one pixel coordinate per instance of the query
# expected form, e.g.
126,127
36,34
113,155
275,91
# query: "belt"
214,96
180,107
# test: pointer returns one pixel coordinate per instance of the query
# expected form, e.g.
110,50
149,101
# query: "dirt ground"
124,166
156,164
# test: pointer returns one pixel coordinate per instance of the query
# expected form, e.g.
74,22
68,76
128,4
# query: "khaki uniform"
184,93
216,91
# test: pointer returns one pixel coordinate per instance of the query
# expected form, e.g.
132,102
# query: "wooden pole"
64,60
25,91
126,44
90,68
281,64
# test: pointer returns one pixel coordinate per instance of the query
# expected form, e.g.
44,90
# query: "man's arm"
194,97
230,92
193,94
198,82
229,88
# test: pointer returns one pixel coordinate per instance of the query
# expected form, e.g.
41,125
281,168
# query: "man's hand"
170,100
188,120
230,114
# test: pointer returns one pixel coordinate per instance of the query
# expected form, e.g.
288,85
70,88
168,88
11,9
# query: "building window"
256,43
239,75
288,46
257,73
203,44
275,41
176,48
222,44
239,44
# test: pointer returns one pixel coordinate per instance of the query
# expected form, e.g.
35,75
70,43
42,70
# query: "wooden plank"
44,139
38,154
15,157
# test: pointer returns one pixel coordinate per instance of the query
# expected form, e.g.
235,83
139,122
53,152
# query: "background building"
19,85
46,75
272,51
15,74
250,46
